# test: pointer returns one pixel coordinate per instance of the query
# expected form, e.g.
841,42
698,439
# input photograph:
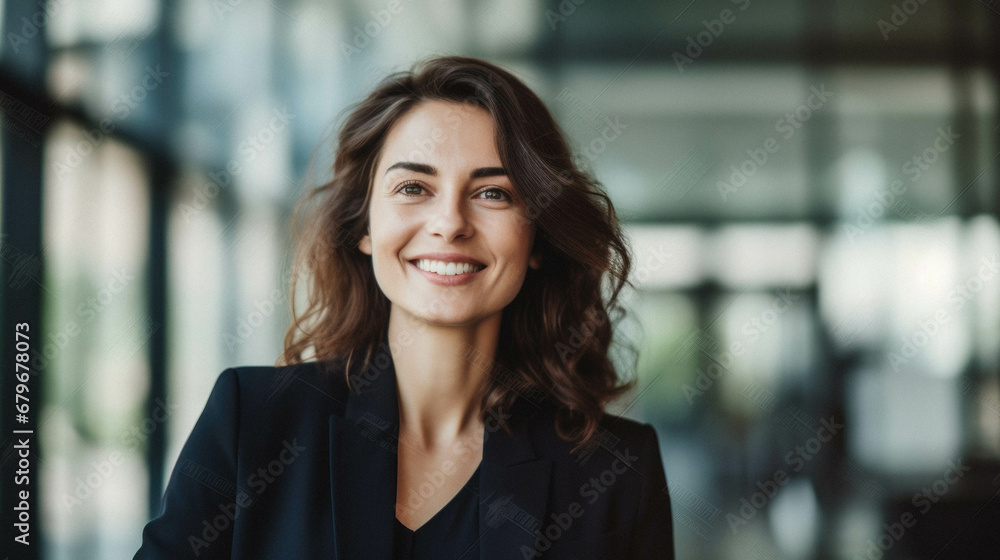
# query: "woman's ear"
365,245
535,261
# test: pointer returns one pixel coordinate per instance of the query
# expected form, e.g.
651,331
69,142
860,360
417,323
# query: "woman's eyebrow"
416,167
431,170
488,172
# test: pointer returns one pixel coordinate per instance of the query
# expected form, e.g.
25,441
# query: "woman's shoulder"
622,462
614,434
304,386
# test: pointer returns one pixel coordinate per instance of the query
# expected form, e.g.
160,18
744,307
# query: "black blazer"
289,463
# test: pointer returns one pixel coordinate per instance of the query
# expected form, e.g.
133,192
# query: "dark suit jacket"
289,463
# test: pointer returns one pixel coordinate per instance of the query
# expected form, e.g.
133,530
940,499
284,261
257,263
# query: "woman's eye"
504,196
403,188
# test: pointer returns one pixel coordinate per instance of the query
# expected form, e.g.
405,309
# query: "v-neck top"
452,534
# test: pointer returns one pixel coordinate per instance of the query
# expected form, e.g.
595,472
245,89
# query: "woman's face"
440,194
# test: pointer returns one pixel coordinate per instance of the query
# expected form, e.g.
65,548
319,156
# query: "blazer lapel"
514,488
363,462
513,484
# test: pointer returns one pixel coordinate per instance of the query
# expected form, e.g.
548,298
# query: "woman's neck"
440,374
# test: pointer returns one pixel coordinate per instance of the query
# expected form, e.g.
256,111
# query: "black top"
452,534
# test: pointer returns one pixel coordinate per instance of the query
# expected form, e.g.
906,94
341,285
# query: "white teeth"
447,268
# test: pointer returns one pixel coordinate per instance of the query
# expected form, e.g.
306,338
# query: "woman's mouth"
442,268
447,273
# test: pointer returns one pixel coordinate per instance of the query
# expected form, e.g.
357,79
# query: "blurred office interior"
811,189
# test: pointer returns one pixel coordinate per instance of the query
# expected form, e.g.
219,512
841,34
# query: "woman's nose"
450,217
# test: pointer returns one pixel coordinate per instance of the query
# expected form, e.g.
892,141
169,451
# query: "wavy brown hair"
556,334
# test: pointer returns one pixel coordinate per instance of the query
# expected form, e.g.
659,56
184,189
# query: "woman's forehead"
439,133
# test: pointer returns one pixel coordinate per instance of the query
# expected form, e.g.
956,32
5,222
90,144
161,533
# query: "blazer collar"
513,480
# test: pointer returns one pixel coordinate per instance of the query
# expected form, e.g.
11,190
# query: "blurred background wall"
811,189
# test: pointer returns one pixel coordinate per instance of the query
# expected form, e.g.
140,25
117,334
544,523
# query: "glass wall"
810,189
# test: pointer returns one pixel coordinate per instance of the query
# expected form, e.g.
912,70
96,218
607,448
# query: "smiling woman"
451,410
